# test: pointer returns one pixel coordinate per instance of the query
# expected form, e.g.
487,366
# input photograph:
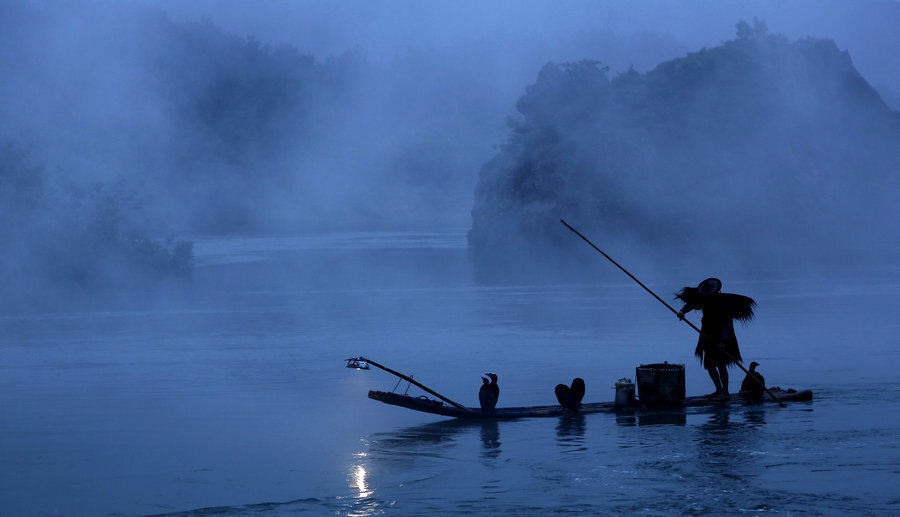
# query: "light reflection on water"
362,503
359,478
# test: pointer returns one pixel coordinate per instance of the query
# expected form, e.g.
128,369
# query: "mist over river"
230,396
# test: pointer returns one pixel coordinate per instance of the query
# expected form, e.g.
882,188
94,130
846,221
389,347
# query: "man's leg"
723,376
714,375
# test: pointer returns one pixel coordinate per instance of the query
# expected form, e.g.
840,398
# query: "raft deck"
437,407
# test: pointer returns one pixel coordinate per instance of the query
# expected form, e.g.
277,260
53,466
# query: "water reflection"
570,431
362,503
435,435
626,417
676,416
490,439
632,417
727,445
359,477
406,456
755,415
435,440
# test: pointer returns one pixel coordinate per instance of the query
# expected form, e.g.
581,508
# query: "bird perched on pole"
489,392
754,383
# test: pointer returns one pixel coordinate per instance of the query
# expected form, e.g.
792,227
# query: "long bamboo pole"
411,381
669,307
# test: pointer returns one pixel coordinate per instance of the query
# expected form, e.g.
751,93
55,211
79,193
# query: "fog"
202,117
207,204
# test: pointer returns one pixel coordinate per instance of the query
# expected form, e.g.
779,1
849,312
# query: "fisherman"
717,347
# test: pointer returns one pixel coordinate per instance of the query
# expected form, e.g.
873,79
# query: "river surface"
230,397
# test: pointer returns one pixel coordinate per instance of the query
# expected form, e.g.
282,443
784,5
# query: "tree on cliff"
750,151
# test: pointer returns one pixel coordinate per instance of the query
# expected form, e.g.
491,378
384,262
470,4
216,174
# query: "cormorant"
489,392
750,387
570,397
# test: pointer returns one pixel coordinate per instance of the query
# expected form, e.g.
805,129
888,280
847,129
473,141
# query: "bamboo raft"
445,407
438,407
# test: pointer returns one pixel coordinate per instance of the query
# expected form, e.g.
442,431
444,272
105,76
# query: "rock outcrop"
753,151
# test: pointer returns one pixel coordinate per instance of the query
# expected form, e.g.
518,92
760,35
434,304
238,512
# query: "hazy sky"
386,29
449,72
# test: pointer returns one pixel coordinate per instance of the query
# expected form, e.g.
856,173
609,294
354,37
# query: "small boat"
437,407
449,408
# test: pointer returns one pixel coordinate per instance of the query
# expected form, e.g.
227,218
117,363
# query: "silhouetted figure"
489,392
751,388
570,397
717,346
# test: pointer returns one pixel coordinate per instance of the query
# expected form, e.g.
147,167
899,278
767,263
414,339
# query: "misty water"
230,397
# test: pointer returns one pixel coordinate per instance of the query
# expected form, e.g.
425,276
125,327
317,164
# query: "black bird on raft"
753,388
570,397
489,392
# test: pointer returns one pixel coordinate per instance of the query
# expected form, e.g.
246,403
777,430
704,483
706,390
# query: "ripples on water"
233,400
753,459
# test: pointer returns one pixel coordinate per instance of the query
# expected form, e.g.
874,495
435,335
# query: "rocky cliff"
753,152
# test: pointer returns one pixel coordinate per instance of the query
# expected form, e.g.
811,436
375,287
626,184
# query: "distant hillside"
748,153
203,123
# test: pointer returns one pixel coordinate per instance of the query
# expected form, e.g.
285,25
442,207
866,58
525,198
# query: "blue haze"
227,395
